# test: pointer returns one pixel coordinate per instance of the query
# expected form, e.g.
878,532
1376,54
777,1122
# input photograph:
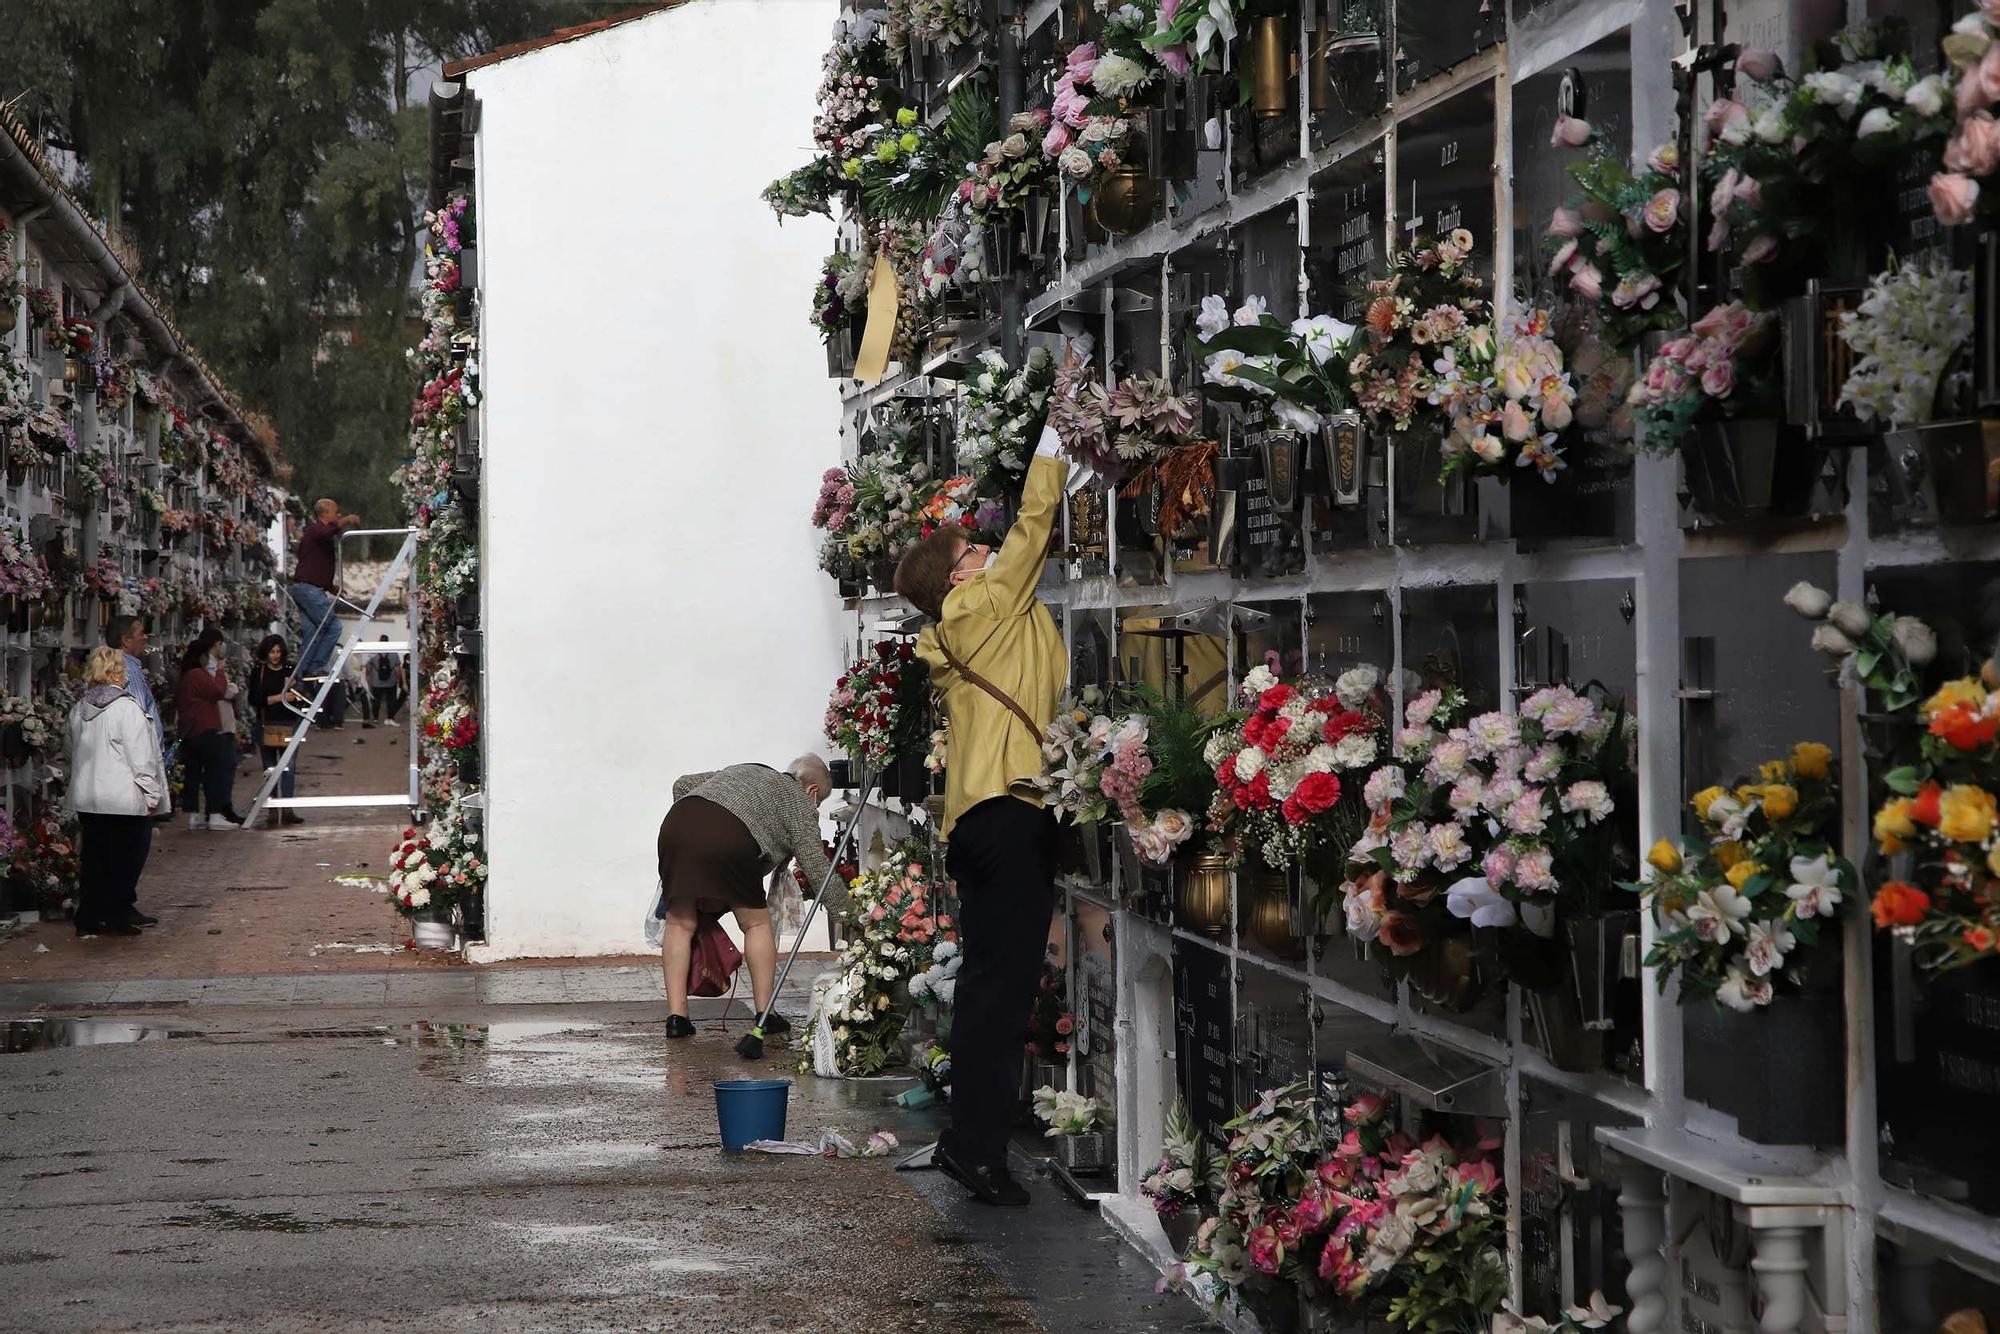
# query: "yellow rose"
1665,856
1966,813
1779,801
1812,760
1739,874
1729,854
1965,690
851,168
909,143
1705,798
1893,824
906,117
1748,793
1993,859
1773,771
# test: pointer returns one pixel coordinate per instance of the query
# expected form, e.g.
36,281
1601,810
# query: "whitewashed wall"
657,418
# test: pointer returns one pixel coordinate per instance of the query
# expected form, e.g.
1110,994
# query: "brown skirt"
709,858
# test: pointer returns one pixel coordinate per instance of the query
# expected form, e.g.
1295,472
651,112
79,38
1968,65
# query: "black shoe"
679,1026
991,1183
137,918
290,817
777,1025
122,929
84,928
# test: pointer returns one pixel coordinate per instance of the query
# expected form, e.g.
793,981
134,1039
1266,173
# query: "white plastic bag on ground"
824,1064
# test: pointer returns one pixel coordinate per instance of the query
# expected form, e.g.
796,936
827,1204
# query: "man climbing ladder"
314,590
330,672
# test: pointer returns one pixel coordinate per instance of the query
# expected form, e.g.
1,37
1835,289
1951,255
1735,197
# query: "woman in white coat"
117,781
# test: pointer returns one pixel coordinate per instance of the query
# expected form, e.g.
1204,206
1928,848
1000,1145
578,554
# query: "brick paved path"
263,901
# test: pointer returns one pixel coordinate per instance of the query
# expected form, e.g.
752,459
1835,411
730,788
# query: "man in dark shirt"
312,587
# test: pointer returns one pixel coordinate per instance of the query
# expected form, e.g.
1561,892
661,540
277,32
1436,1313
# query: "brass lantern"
1124,199
1270,896
1201,893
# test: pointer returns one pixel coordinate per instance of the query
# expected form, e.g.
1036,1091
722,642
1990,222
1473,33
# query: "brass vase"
1125,199
1269,67
1201,893
1270,896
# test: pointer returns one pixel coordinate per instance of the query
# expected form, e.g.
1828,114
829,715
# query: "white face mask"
991,556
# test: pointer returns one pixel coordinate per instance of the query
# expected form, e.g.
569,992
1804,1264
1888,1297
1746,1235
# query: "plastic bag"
656,917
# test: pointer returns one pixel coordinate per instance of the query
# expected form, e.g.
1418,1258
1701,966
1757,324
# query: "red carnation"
1225,774
1275,698
1316,792
1257,792
1344,723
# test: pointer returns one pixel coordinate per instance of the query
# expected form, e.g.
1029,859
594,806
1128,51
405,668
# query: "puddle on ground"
226,1218
21,1035
38,1034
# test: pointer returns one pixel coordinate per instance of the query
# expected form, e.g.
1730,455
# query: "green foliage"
919,186
1175,733
268,161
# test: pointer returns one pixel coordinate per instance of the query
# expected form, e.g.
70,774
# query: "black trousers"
386,702
210,761
111,852
1003,855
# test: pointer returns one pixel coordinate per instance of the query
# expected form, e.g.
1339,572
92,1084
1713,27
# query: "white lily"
1473,898
1815,886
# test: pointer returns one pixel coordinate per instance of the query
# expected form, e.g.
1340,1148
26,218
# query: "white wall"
657,417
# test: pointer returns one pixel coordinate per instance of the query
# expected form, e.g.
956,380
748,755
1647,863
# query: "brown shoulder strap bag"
1013,705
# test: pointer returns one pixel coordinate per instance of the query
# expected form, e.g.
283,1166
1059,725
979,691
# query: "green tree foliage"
269,163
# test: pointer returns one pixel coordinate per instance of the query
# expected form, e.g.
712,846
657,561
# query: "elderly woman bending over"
725,832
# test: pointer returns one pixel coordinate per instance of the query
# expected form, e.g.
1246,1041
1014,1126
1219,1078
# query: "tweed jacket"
773,807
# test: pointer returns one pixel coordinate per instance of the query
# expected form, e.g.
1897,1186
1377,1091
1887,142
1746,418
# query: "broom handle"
825,883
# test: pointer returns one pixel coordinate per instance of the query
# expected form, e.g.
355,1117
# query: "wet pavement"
546,1166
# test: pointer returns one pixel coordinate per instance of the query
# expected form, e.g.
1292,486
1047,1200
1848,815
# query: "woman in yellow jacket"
994,652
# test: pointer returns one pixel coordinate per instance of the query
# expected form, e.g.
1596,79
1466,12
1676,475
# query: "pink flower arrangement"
1698,374
1353,1227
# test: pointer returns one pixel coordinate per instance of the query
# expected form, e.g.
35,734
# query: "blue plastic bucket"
751,1109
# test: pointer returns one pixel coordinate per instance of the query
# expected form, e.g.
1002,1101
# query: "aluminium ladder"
352,643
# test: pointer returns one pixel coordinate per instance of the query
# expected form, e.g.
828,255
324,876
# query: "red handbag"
713,961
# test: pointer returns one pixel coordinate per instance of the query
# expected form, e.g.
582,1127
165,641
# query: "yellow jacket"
995,626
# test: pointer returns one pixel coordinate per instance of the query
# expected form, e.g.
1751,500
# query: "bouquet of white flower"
1908,328
1065,1113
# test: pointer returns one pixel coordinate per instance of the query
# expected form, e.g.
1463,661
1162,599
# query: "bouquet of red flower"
1279,771
79,336
877,710
454,727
